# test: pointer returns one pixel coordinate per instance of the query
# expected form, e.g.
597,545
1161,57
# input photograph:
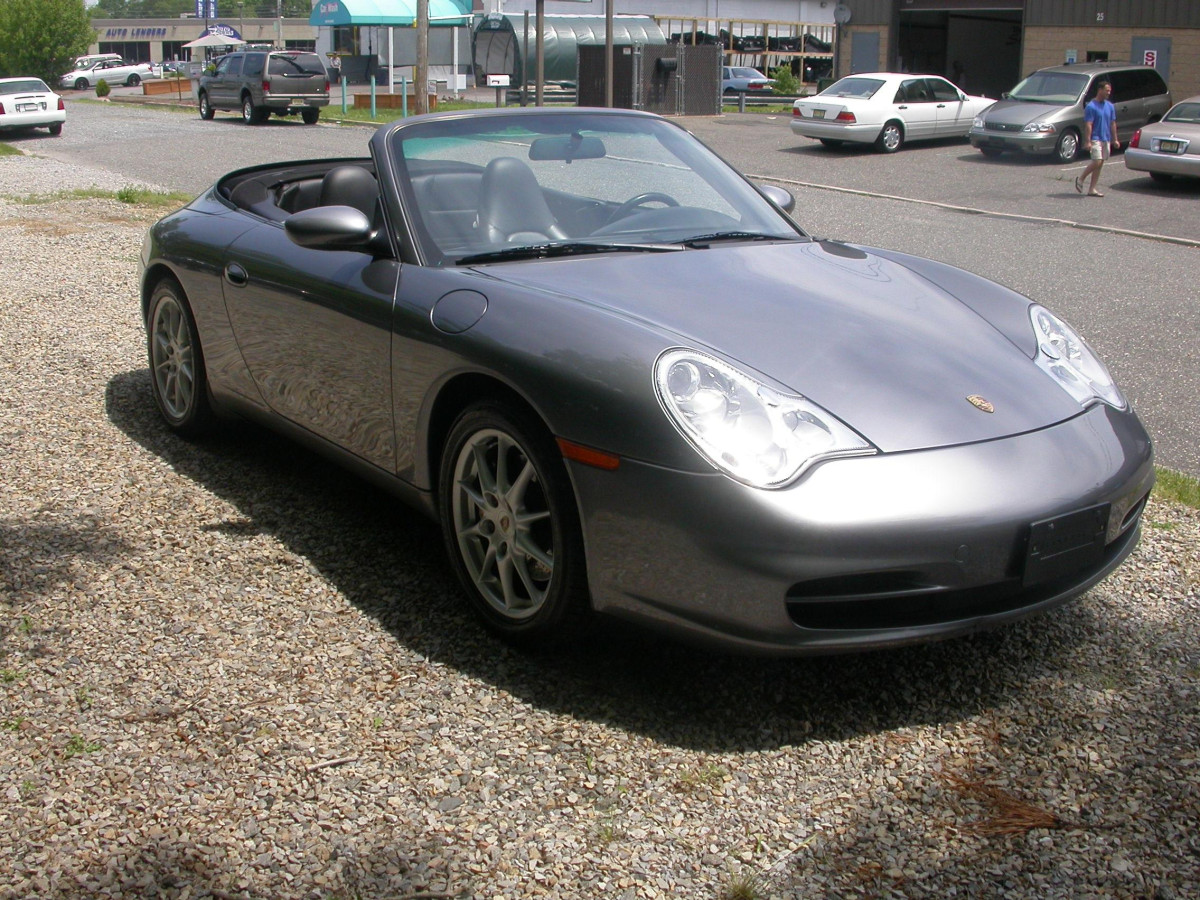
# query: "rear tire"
206,110
510,525
177,375
1160,177
891,138
133,80
831,143
250,113
56,129
310,116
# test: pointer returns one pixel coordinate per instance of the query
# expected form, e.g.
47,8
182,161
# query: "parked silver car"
1044,113
262,82
114,71
1171,147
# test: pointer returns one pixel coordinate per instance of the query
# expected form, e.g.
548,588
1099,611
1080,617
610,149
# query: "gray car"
259,83
625,382
1169,148
1044,113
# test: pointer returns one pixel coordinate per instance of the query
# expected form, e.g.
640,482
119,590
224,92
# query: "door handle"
236,275
903,106
941,106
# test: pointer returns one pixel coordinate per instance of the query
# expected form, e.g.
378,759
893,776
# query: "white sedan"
113,71
886,109
29,103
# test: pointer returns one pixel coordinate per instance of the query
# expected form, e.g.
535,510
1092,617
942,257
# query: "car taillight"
327,85
796,114
1137,139
1,109
62,106
266,86
846,117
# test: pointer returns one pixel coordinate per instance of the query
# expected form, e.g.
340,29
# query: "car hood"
881,347
1018,112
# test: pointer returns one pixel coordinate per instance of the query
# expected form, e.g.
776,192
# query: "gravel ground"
230,670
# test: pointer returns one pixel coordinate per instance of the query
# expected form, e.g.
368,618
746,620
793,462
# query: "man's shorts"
1100,150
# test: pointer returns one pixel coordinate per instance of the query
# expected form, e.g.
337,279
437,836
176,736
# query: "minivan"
1044,113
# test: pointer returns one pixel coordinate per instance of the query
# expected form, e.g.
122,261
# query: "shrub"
102,88
785,82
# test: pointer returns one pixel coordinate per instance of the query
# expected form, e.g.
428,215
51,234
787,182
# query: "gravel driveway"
230,670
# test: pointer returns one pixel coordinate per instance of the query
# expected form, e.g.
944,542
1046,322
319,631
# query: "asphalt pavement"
1124,269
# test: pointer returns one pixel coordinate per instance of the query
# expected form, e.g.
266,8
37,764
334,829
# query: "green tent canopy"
402,13
499,42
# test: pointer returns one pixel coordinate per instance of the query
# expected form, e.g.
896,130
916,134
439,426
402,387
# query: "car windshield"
554,182
1061,88
24,86
862,88
1188,112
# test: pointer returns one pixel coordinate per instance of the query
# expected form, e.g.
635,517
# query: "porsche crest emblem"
981,404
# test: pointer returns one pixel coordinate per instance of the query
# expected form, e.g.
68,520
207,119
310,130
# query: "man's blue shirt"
1103,116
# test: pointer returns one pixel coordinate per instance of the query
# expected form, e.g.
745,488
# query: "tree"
42,37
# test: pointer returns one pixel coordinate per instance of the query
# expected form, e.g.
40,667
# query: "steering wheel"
639,200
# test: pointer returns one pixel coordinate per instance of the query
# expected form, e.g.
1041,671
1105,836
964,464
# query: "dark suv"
261,82
1044,113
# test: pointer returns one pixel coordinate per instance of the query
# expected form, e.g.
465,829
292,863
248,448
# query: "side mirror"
777,195
330,228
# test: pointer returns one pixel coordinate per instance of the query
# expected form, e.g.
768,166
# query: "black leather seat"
351,186
512,209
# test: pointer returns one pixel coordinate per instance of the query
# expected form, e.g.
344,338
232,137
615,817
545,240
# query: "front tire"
831,143
177,375
990,152
206,110
510,525
1067,147
81,84
891,138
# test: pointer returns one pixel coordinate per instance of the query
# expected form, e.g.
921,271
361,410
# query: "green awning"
389,12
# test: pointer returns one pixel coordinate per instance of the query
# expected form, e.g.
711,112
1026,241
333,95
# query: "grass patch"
383,116
9,150
133,196
772,109
77,745
1177,487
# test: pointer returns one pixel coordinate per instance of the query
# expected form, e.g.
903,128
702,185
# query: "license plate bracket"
1065,544
818,113
1168,146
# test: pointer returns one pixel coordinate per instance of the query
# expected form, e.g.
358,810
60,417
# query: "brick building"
987,46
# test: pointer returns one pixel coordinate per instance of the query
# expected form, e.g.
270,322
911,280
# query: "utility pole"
421,78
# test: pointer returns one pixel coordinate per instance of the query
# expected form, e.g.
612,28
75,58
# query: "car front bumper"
1186,164
832,131
871,551
1013,141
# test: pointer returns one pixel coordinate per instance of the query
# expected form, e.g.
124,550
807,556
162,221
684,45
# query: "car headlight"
1039,128
978,123
1064,355
749,431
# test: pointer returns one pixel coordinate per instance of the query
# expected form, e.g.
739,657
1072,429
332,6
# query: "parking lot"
232,670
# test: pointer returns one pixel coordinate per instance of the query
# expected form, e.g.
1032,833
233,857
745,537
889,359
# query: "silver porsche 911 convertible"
627,384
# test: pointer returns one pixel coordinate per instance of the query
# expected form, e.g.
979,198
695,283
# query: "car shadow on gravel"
388,561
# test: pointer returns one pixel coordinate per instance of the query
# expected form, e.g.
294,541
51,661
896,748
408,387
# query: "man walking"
1100,136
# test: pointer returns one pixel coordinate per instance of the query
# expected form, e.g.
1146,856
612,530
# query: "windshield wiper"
570,248
703,240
